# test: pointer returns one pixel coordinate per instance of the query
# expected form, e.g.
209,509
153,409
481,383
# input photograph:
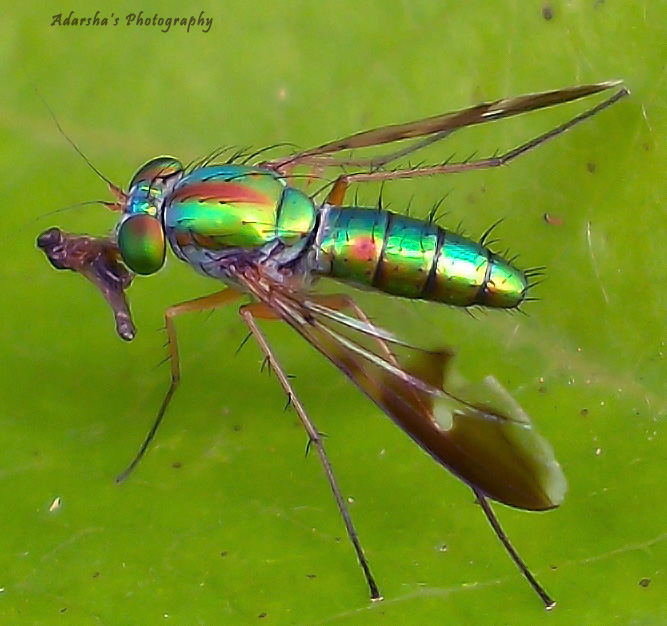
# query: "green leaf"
225,522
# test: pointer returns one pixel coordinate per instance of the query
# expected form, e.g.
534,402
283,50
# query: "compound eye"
141,243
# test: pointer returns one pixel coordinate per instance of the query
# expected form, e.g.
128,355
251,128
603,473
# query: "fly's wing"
448,122
477,432
98,260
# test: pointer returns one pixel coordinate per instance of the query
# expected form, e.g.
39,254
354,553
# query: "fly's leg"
319,163
374,162
261,311
213,301
448,122
341,301
549,602
337,193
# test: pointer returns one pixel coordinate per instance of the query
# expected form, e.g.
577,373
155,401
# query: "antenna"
115,189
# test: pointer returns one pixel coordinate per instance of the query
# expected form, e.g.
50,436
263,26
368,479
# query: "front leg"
205,303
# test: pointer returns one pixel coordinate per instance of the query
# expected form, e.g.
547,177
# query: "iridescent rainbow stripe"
412,258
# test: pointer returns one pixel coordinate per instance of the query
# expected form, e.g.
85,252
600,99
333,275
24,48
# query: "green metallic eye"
141,243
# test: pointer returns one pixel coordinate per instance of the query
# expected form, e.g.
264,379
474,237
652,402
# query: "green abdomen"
412,258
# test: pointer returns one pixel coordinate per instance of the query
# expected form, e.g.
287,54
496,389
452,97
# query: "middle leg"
261,311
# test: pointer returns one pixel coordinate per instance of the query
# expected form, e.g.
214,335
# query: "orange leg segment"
212,301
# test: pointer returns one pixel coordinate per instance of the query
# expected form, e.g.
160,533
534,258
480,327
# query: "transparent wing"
439,126
478,432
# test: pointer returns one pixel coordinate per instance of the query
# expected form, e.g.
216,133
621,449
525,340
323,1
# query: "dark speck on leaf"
553,220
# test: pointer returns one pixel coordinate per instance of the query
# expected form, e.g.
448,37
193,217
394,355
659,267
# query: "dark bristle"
206,159
470,158
379,200
407,208
266,363
433,213
483,241
535,271
472,313
282,144
318,191
237,156
161,362
534,283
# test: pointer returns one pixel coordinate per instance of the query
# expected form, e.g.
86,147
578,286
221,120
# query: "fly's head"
137,245
140,233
